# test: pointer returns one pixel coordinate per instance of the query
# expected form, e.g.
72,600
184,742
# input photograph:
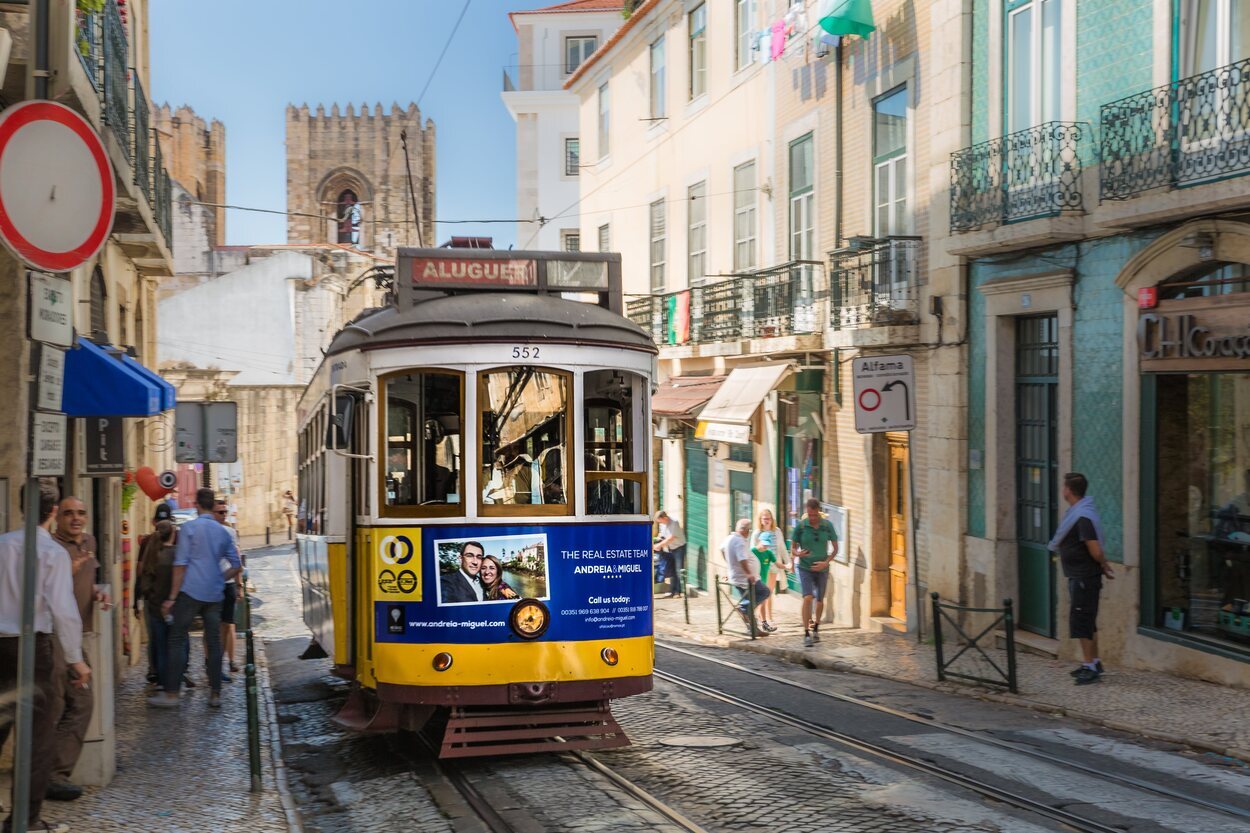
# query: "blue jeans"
674,560
178,655
158,642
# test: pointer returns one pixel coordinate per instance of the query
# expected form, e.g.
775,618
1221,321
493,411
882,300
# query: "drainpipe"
837,145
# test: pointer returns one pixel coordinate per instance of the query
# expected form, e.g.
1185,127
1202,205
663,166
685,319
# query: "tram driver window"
525,431
614,464
423,447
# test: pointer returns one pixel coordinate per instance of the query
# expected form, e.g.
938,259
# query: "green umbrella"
850,17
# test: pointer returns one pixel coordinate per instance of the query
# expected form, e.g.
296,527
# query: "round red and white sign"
56,186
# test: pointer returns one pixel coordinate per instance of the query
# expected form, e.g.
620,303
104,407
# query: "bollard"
720,619
253,702
266,534
937,636
751,609
682,581
1009,626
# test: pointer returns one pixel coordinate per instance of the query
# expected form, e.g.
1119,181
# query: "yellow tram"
474,463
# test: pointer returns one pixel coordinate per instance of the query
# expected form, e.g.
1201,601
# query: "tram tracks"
944,773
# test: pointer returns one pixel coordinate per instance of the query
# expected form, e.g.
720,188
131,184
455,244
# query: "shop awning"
169,394
98,383
683,396
728,416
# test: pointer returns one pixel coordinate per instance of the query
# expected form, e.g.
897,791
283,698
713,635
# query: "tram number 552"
524,352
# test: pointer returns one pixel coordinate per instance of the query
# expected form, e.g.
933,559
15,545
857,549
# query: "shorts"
228,600
1083,607
813,583
744,597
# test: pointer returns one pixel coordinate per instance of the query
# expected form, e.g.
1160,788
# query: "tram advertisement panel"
458,584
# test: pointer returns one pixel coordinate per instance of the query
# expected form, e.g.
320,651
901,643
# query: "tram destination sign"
474,272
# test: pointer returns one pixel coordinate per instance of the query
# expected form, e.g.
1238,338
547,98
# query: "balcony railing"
526,77
877,284
780,301
116,82
163,208
1021,176
1188,132
88,40
142,140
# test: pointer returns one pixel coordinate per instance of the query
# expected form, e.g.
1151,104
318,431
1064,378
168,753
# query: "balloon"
150,484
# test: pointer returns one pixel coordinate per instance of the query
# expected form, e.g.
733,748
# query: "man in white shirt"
56,612
744,573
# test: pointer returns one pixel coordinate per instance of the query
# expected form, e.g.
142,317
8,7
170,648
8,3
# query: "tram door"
360,543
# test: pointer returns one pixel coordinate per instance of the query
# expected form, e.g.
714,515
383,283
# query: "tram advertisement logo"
397,565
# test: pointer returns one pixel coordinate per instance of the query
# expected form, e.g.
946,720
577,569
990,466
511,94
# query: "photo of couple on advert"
495,569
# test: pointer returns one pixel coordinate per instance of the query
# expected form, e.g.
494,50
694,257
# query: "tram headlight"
610,656
442,661
529,619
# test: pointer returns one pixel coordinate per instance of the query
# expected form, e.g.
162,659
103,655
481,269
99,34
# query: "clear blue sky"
243,61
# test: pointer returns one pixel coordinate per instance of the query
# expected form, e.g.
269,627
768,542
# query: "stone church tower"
347,182
194,151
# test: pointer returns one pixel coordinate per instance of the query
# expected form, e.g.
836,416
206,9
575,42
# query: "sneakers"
1085,676
815,635
768,627
807,640
48,827
1097,667
62,791
187,681
164,700
225,676
214,700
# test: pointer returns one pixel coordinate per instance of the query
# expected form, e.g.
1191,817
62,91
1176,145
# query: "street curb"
293,822
799,657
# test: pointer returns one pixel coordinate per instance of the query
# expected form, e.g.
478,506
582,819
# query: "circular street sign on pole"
56,186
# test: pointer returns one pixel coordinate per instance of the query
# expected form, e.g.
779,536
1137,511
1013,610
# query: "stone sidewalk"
184,770
1202,715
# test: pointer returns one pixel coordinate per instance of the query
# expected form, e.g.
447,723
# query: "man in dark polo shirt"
73,703
1079,543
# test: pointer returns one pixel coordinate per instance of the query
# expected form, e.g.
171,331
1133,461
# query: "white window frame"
568,237
658,79
897,184
744,14
605,237
697,49
1039,66
802,205
745,217
583,54
696,233
659,245
577,157
605,120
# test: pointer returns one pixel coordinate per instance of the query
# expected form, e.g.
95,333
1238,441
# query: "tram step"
489,731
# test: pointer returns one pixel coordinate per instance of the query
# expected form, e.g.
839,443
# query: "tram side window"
423,439
614,463
525,435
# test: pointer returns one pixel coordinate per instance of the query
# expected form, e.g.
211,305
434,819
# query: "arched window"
99,298
1207,280
348,212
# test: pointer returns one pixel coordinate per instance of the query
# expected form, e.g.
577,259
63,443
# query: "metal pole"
937,636
253,703
720,620
751,609
266,534
1009,625
915,526
682,579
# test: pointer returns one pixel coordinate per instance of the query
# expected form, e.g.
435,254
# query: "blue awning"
99,384
169,396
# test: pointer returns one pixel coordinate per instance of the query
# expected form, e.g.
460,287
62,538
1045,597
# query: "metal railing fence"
971,645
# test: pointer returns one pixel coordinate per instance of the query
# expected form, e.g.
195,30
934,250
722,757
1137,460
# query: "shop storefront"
1193,340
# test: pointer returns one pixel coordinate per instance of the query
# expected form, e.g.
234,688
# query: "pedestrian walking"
155,575
744,573
1079,542
769,547
163,512
234,591
205,558
289,508
815,543
56,619
672,548
73,704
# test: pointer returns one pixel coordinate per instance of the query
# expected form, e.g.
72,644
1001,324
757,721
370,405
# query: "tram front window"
525,431
614,465
422,466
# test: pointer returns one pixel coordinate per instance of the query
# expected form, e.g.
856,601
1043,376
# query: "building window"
802,199
1034,63
571,241
696,237
577,50
698,51
349,216
1214,33
572,157
99,298
422,441
744,217
889,160
605,238
605,120
657,246
742,33
658,87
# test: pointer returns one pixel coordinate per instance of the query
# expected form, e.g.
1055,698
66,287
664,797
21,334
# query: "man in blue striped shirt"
205,559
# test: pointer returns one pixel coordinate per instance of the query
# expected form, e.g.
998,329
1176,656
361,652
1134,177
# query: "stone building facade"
348,178
196,151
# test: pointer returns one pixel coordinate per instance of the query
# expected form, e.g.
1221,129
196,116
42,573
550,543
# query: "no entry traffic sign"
56,186
885,394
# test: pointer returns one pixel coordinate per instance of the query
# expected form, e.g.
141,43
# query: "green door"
1037,469
696,514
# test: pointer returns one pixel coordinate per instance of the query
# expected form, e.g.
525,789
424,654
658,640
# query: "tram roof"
478,317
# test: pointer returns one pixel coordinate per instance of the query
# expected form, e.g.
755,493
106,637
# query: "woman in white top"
769,546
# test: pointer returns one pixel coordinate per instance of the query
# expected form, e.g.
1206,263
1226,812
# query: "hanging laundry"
778,39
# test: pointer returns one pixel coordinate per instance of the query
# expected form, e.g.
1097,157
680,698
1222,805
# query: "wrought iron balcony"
779,301
1188,132
142,140
116,105
875,284
1021,176
88,39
